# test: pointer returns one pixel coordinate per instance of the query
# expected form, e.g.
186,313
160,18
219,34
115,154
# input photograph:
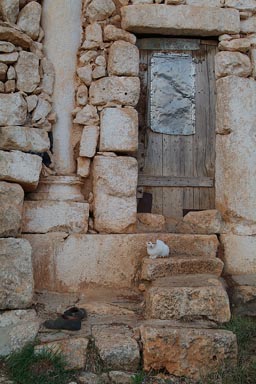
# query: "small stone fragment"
24,139
88,57
87,116
98,72
118,377
93,32
232,63
11,73
42,110
13,109
234,45
204,222
1,86
85,74
27,70
83,166
6,47
89,141
149,222
82,95
113,33
9,58
47,84
10,86
123,59
100,10
32,101
3,71
248,25
15,36
29,19
9,9
11,202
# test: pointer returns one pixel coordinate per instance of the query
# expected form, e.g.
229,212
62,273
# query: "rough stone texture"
192,296
180,20
85,74
234,45
87,116
253,59
32,101
204,222
123,59
15,36
88,378
82,95
11,201
117,348
21,168
99,10
42,110
93,32
73,350
25,139
204,3
153,269
17,328
52,216
13,109
16,275
242,5
239,254
232,63
83,166
6,47
9,9
114,189
89,140
29,19
27,70
118,377
9,86
48,76
119,130
188,352
115,90
112,33
3,71
235,152
249,25
9,58
149,222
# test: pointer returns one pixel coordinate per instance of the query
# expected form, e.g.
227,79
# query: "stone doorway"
176,125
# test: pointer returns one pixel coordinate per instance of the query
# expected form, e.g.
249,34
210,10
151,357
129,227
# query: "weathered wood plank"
175,181
171,44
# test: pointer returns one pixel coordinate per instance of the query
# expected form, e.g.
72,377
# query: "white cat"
158,249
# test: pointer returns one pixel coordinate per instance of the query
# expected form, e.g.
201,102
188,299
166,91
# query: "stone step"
188,297
177,265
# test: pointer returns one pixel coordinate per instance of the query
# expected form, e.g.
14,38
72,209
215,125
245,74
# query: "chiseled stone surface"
149,222
115,90
117,347
239,254
232,63
188,352
195,296
89,141
16,274
55,216
113,33
29,19
119,130
123,59
73,350
27,70
180,20
9,9
24,139
100,10
204,222
17,328
13,109
114,189
11,202
21,168
235,152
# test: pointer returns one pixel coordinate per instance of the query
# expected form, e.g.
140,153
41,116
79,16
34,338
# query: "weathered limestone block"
52,216
13,109
15,36
249,25
235,152
180,20
11,202
93,32
115,90
89,140
100,10
83,166
188,352
204,222
114,188
73,350
234,45
82,95
17,328
3,71
21,168
87,116
117,347
88,57
123,59
242,5
6,47
85,74
9,9
9,86
29,19
24,139
11,73
232,63
204,3
32,101
149,222
42,110
113,33
16,274
9,58
195,297
239,254
119,130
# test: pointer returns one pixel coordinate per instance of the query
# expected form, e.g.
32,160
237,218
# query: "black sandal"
75,313
61,323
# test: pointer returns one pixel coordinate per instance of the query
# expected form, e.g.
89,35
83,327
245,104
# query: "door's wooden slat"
175,181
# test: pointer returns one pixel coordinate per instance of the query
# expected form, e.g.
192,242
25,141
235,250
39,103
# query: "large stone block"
113,33
239,254
205,222
123,59
27,70
115,90
180,20
24,139
29,19
21,168
55,216
16,274
89,140
13,109
17,328
232,63
188,352
235,147
11,202
114,188
119,130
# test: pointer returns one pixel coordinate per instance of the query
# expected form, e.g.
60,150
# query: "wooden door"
177,167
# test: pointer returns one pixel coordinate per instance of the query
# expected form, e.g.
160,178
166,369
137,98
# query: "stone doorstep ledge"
180,20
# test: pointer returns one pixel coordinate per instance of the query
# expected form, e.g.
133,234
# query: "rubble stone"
24,139
10,86
42,110
48,76
205,222
242,5
232,63
3,71
83,166
11,73
21,168
85,74
112,33
234,45
16,274
29,19
89,141
13,109
11,202
123,59
87,116
118,377
17,328
93,32
82,95
149,222
6,47
15,37
248,25
9,9
99,10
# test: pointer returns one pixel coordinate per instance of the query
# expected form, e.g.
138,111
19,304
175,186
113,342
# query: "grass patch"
46,367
